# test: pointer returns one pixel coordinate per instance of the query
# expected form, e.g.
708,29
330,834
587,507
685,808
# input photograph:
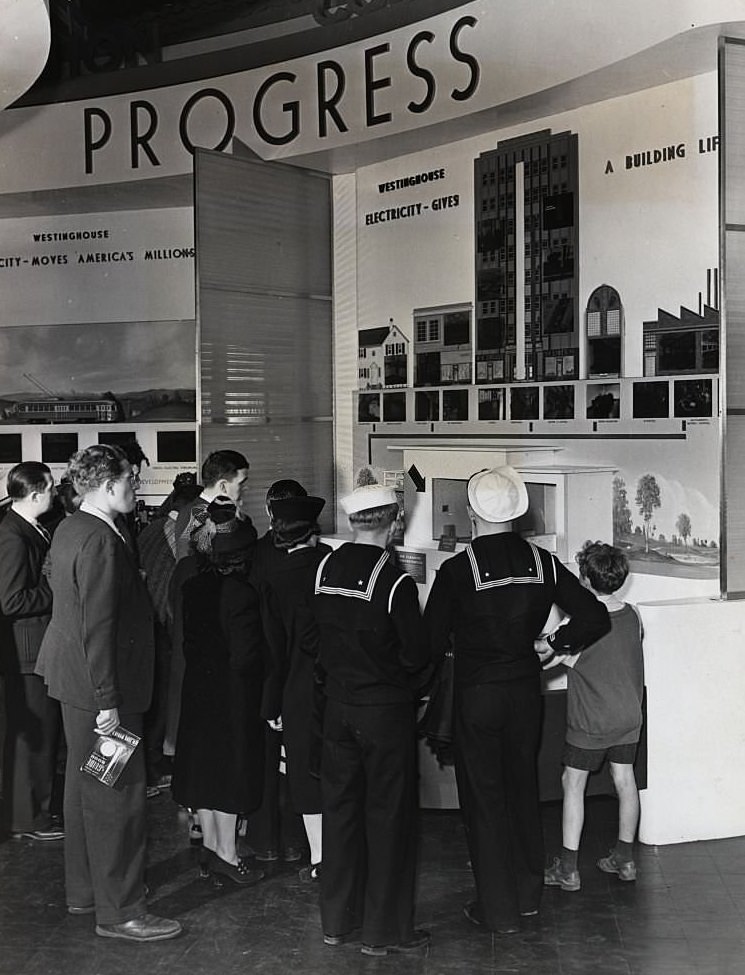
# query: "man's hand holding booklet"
110,755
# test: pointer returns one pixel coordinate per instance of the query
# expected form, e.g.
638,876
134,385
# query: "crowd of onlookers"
275,684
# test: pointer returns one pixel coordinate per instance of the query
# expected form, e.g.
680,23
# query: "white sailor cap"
498,495
368,496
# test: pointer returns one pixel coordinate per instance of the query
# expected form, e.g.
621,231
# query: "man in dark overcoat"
33,718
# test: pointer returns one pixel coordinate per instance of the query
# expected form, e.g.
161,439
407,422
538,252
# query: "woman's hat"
228,533
368,496
297,509
498,495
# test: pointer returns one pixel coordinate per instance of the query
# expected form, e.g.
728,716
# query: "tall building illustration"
527,275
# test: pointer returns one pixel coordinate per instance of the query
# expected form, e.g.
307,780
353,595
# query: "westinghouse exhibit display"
428,249
548,326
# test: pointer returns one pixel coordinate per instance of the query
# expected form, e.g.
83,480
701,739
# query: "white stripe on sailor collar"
482,581
366,593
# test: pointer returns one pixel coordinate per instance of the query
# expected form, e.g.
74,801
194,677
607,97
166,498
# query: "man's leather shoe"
88,909
419,939
334,940
475,915
146,927
41,835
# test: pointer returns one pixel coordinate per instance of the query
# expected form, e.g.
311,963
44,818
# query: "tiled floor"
685,914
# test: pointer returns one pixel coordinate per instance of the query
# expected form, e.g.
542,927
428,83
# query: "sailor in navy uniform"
376,661
493,599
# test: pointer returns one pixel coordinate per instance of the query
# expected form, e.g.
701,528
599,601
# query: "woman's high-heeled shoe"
239,873
204,870
310,874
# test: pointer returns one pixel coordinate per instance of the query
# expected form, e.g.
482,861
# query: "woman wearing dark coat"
291,696
218,767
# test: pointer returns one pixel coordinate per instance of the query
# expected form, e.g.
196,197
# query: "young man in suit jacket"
97,660
33,718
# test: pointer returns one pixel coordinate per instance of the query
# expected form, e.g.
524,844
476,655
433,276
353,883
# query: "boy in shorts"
605,685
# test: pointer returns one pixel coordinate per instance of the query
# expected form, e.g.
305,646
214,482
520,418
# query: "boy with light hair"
605,685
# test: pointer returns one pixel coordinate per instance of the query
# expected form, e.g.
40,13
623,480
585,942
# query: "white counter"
694,653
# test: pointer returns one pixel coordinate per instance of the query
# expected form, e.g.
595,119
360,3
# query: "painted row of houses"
443,347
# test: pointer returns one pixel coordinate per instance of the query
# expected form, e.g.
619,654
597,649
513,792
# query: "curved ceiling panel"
24,46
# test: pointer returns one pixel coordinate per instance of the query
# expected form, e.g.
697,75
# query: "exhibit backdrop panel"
97,330
263,236
554,284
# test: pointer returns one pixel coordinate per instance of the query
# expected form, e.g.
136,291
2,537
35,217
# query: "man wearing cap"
493,600
376,660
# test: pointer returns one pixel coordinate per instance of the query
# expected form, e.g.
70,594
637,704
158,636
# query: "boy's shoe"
626,869
557,876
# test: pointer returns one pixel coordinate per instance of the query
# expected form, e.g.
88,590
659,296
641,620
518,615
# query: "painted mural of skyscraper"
527,276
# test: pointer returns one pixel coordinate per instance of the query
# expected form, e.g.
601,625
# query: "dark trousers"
274,825
104,826
156,719
32,739
369,798
496,744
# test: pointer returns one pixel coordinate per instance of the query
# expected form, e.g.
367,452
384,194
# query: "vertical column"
345,332
520,270
732,314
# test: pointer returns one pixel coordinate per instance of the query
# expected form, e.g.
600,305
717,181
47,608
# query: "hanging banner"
97,267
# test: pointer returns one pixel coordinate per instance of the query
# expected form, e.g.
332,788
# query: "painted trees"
683,527
647,499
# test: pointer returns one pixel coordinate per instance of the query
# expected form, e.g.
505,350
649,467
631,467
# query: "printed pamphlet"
110,754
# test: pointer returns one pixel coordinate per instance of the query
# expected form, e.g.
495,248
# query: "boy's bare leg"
573,782
564,871
628,801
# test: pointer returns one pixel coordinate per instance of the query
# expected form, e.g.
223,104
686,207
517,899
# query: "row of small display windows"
655,399
172,446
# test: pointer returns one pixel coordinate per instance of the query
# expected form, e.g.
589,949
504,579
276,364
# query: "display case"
569,503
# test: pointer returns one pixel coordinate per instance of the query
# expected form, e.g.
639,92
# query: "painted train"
90,409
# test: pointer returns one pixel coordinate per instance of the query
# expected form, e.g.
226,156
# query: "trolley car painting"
54,408
88,410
